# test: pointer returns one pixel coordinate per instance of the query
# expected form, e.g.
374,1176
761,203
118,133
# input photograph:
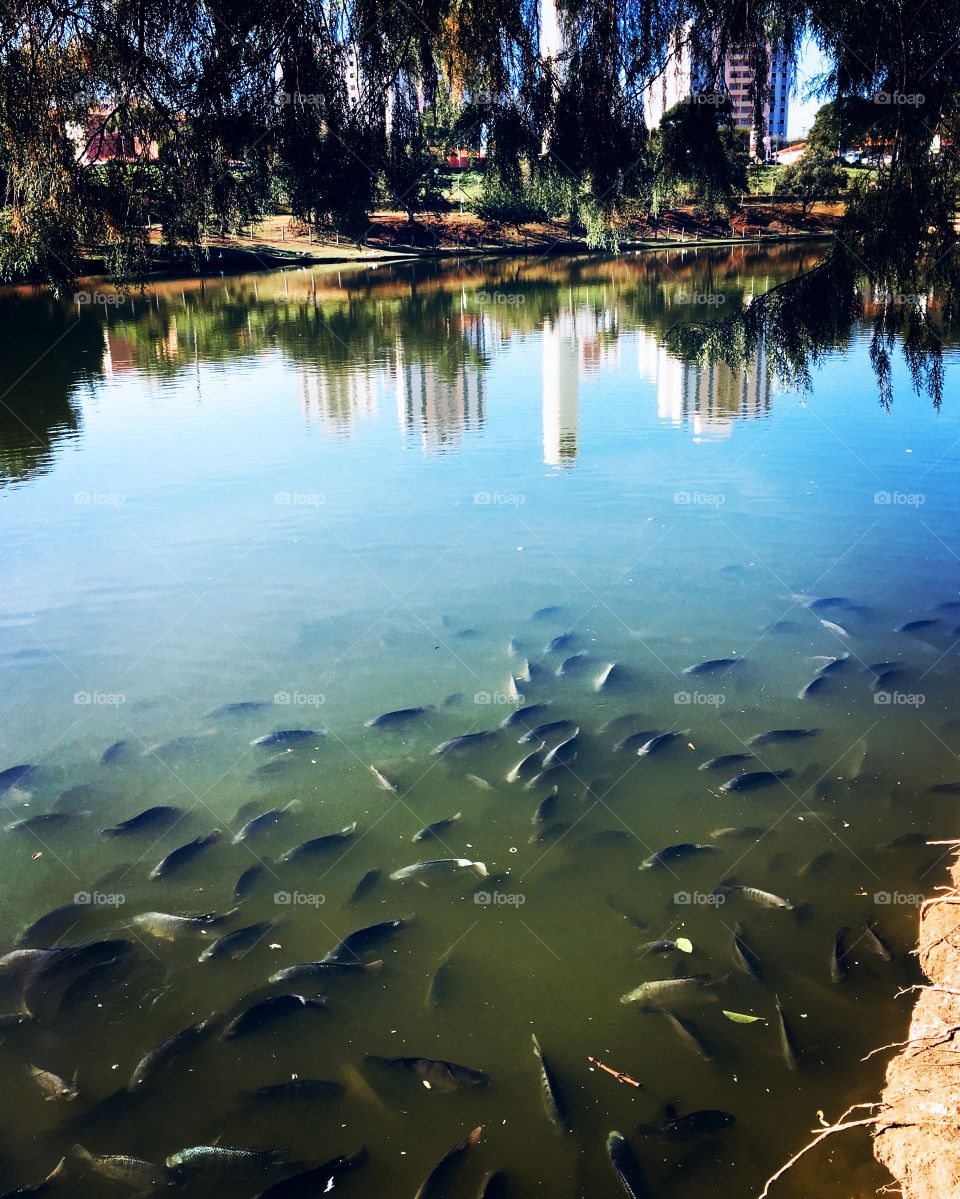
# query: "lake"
304,499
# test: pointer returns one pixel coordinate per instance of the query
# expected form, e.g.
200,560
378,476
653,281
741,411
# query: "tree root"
841,1126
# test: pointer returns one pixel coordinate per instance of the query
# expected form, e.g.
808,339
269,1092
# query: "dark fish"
611,674
816,864
907,841
553,1103
42,821
887,680
43,1187
839,967
309,971
546,809
547,778
944,789
712,666
364,886
763,899
833,664
775,736
744,956
618,724
184,854
555,644
44,987
751,832
247,883
724,761
436,1182
318,1180
222,1161
279,764
268,1012
555,728
19,962
116,753
318,845
525,715
51,924
875,942
673,853
360,941
168,927
788,1046
494,1186
434,830
634,742
662,945
151,818
266,820
550,832
527,766
625,1166
813,687
243,708
686,1034
631,917
434,1073
295,1088
568,665
685,1128
287,737
655,744
755,779
547,613
13,775
440,983
389,720
159,1059
564,753
175,747
829,602
131,1171
466,741
914,626
237,943
78,796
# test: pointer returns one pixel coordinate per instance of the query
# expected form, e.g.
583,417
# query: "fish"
514,649
238,942
243,708
435,1184
617,724
525,671
429,831
175,747
659,991
308,971
788,1046
832,627
605,838
386,784
775,736
44,987
556,728
362,939
525,715
150,818
364,886
278,764
550,832
317,1180
389,720
634,742
221,1161
875,942
944,789
815,686
547,778
43,1187
832,664
755,779
51,923
294,1088
438,866
712,666
907,841
161,1057
626,1168
816,864
14,775
440,983
42,821
631,917
744,956
547,613
268,1012
494,1185
287,737
266,820
574,662
19,962
673,853
661,945
564,753
830,601
53,1087
184,854
555,644
116,752
546,808
527,766
318,845
434,1073
131,1171
465,741
763,899
607,677
655,744
685,1033
480,783
78,795
914,626
839,967
553,1103
725,761
887,680
247,883
683,1128
167,927
751,832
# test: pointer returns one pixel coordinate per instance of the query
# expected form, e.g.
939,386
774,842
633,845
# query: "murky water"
344,493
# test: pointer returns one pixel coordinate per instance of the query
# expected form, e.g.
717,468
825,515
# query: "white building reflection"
576,344
434,407
337,400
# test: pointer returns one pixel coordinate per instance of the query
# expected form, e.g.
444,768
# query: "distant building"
102,139
789,154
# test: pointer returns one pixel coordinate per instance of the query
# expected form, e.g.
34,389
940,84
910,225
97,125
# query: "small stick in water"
617,1074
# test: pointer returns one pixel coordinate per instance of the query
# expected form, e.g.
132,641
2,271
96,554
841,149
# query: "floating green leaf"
684,945
741,1018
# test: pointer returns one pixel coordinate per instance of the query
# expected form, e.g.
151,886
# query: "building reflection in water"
339,399
576,345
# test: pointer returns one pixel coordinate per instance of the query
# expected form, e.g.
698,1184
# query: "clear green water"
351,490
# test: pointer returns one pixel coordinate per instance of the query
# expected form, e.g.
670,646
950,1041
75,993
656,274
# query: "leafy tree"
846,121
698,155
814,176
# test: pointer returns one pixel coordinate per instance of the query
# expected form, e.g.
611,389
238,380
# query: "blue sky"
811,63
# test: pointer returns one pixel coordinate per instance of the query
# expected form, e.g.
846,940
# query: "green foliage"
814,176
698,156
506,199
